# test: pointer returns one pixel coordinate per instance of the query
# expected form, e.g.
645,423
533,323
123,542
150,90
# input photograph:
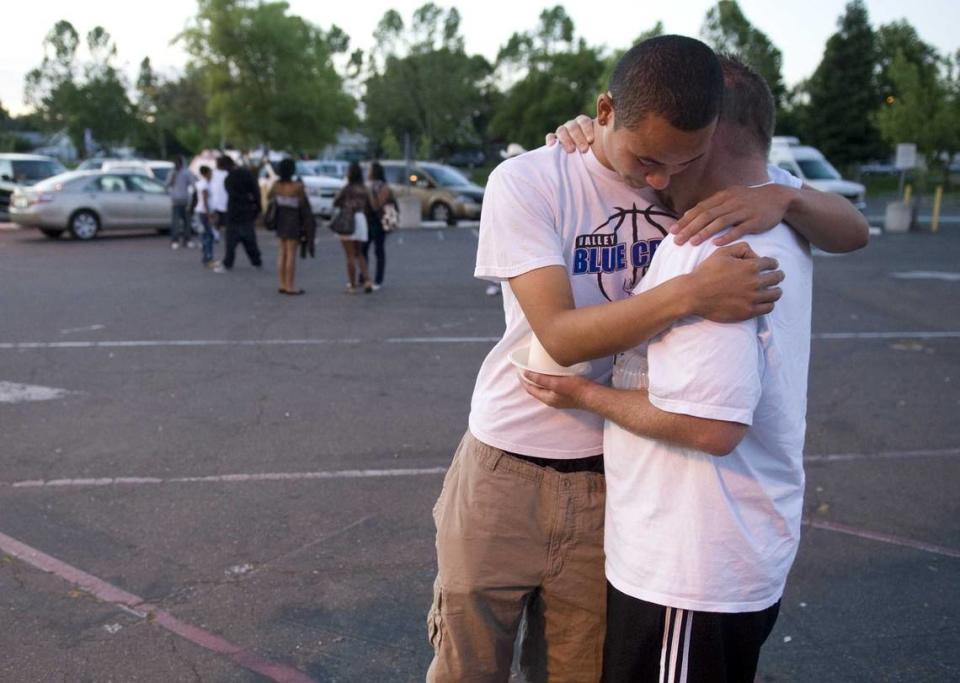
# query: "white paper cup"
539,360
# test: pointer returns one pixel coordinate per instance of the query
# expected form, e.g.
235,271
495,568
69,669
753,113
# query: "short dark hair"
204,170
675,77
376,172
748,104
355,174
285,169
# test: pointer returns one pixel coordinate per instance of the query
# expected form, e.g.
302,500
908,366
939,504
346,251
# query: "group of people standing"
227,198
368,206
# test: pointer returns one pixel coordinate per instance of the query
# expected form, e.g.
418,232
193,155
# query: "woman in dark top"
354,199
380,196
291,217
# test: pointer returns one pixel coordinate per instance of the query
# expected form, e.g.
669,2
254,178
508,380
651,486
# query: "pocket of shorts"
434,617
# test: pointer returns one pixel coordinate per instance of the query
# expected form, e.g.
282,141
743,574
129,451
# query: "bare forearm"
632,410
828,221
580,334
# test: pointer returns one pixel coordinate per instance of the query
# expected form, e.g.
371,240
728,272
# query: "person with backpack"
383,220
353,201
289,214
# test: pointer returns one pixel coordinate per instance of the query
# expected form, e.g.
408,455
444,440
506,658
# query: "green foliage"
729,32
559,79
269,74
390,146
900,38
843,93
422,83
920,111
67,95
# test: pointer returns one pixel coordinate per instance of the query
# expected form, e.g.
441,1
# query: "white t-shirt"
218,191
203,185
694,531
550,208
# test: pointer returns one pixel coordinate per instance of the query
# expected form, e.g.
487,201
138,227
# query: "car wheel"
163,231
52,233
443,213
84,225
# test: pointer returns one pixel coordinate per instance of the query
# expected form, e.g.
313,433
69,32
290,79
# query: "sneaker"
174,245
368,288
376,287
191,245
350,290
219,268
493,290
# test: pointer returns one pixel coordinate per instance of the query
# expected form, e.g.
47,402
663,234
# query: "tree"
556,77
77,97
899,37
729,32
843,92
922,112
270,74
421,82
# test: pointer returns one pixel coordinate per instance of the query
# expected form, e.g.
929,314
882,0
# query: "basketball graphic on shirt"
619,251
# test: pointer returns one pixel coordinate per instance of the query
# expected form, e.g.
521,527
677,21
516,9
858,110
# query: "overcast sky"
799,28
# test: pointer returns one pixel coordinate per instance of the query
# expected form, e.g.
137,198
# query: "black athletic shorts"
648,643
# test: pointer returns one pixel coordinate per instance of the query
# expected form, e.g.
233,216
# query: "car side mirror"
424,183
6,177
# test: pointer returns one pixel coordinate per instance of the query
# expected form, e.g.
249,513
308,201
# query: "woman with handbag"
289,214
383,220
353,203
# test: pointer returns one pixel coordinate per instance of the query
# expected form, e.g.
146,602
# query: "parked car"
809,164
23,170
445,193
321,189
333,168
86,202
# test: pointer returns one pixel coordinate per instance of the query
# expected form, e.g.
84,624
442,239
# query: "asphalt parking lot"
202,480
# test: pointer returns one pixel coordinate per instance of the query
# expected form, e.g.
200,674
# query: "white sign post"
906,160
906,156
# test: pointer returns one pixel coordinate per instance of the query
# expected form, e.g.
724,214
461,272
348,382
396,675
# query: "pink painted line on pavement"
134,604
882,537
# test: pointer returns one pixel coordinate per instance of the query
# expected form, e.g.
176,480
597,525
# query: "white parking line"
94,482
11,392
159,343
225,478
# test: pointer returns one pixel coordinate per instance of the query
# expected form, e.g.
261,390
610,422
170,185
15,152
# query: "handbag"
270,217
342,222
390,218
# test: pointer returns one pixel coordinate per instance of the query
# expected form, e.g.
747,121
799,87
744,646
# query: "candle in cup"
540,361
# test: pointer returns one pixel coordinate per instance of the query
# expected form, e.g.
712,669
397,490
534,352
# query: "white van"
809,164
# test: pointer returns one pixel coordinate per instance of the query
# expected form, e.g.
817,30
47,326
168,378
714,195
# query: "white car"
321,189
159,170
809,164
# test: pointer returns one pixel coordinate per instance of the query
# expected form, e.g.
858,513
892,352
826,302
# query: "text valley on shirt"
616,245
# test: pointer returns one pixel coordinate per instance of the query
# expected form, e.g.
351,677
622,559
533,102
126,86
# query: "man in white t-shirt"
520,516
204,212
703,449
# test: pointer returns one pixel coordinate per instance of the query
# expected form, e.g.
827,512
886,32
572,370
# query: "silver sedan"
86,202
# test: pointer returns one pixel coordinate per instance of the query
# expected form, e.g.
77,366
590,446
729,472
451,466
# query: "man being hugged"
703,448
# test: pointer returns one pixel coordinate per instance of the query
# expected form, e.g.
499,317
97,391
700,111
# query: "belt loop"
498,455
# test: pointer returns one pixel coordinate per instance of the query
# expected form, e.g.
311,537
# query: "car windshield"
303,168
29,171
161,173
818,169
446,176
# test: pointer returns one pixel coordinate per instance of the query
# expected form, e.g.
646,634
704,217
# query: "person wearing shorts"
703,449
